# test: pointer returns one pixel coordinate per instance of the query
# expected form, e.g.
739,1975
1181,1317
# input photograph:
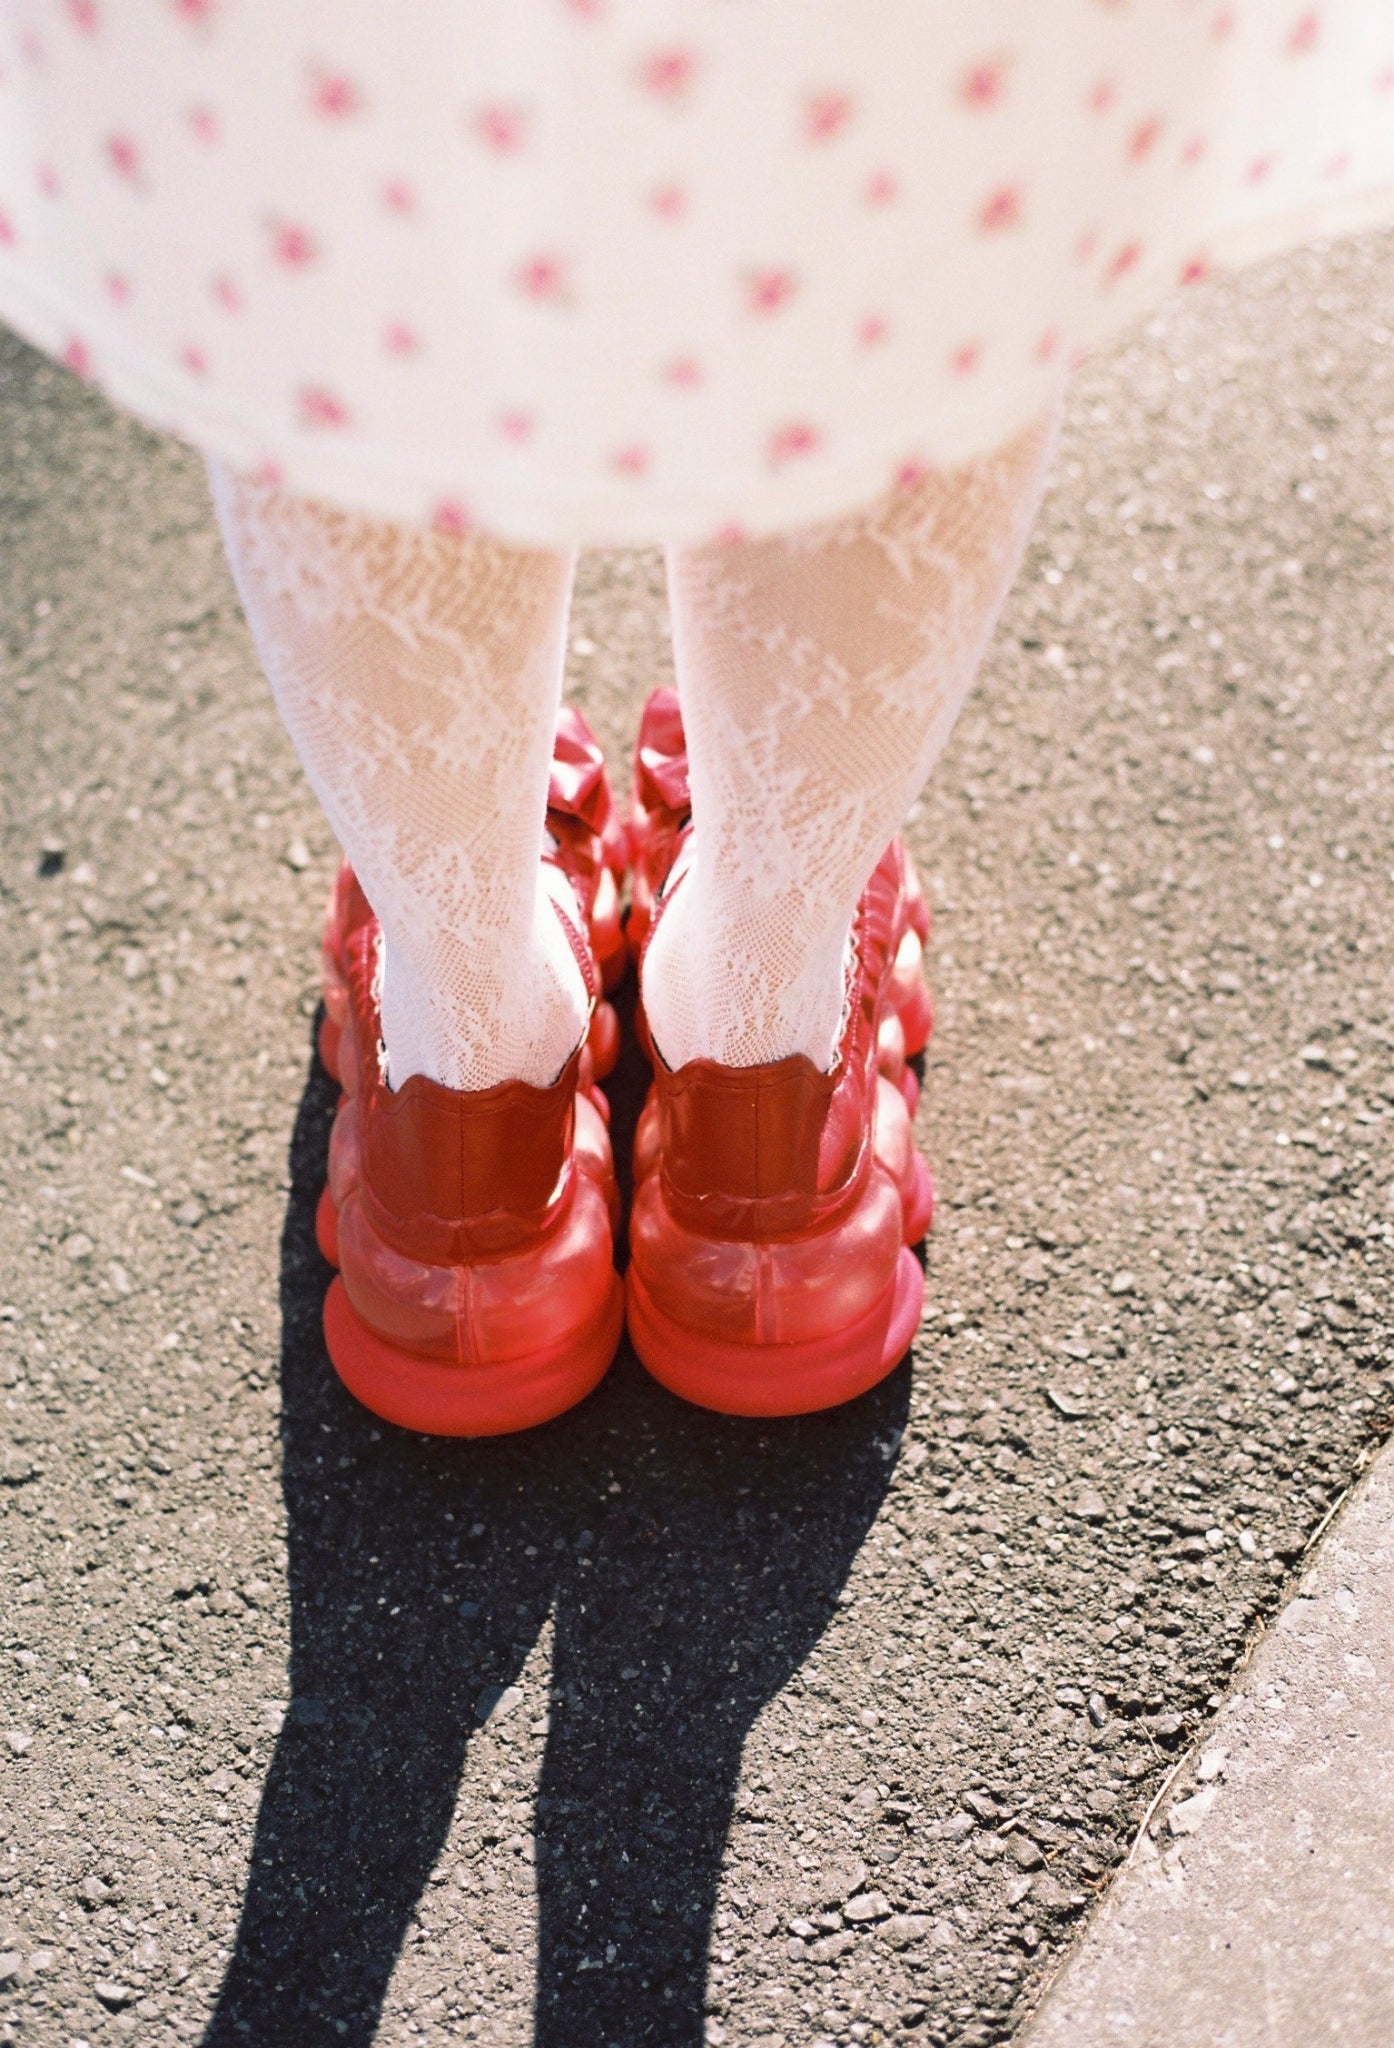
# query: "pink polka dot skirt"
622,271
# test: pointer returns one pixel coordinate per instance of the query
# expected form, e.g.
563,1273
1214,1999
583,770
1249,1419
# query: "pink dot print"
292,246
766,291
334,96
1144,140
124,158
984,84
1001,210
669,75
826,115
501,129
791,442
1122,261
543,277
400,338
1304,35
319,407
450,518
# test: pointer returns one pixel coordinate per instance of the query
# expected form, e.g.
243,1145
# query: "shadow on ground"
689,1563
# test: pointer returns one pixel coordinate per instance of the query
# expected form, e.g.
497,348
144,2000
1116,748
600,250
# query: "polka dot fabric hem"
599,271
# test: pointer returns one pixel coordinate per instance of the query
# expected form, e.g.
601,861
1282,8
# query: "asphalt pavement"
654,1728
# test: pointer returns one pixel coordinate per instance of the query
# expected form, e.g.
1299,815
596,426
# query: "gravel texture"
651,1728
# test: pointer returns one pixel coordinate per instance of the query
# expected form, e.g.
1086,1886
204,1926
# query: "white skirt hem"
543,511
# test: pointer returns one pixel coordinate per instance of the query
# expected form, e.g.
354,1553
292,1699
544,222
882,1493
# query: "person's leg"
419,675
820,674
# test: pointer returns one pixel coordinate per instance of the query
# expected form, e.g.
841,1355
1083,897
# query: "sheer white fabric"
419,675
820,675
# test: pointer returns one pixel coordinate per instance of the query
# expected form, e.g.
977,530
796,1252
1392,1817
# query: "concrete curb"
1257,1910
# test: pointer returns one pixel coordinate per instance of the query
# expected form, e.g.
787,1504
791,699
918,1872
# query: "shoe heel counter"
447,1175
742,1149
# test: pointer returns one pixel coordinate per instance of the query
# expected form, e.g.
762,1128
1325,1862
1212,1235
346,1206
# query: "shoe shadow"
689,1563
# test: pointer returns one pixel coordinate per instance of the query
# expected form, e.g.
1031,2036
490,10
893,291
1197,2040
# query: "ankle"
743,991
472,1030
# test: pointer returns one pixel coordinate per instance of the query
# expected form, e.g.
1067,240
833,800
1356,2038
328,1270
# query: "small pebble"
1071,1406
865,1907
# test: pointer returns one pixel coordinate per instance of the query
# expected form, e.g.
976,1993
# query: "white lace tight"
820,675
419,675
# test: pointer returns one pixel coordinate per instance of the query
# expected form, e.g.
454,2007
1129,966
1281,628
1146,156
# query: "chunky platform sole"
327,1228
438,1399
327,1045
919,1210
779,1379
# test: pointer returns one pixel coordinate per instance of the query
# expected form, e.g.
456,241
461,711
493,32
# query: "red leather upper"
581,814
449,1174
583,819
578,784
660,762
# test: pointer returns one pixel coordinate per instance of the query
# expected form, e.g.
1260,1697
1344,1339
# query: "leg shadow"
715,1570
392,1541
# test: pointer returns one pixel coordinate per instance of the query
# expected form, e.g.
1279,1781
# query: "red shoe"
587,839
473,1229
474,1232
774,1206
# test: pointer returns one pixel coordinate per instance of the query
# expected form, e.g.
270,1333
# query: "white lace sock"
419,675
820,675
